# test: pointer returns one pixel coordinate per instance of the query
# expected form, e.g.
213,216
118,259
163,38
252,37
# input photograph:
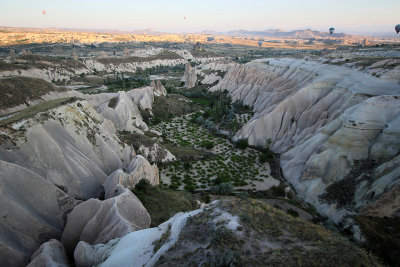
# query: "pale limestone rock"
159,89
211,78
189,76
320,118
69,148
32,210
138,169
95,221
134,249
50,254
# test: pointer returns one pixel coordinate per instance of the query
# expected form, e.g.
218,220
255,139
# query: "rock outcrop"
190,76
322,119
139,169
41,68
51,161
159,89
211,78
95,221
32,210
50,254
216,235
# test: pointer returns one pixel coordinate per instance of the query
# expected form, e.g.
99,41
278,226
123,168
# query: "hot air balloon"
260,43
331,30
44,12
397,28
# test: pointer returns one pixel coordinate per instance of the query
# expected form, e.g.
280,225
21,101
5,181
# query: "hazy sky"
219,15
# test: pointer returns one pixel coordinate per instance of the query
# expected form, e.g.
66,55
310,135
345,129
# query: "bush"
279,190
293,212
222,189
187,165
162,203
242,143
207,144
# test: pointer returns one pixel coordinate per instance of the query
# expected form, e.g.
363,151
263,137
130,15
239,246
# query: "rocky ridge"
68,154
319,116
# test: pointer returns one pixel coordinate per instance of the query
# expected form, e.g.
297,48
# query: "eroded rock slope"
335,128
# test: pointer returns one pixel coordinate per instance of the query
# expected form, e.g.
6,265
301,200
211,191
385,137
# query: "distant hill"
299,34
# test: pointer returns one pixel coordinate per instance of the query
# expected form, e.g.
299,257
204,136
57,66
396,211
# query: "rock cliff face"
61,72
334,128
189,76
53,160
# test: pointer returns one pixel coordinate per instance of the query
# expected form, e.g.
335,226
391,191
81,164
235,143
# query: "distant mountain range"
306,34
277,33
298,34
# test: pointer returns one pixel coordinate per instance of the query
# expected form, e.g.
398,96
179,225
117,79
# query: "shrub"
279,190
293,212
222,189
207,144
242,143
187,165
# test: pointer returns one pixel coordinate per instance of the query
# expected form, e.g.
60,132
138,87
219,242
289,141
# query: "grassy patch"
15,91
162,203
166,106
31,111
135,139
383,237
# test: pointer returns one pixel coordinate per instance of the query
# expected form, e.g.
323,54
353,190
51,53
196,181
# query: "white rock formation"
139,169
320,118
134,249
189,76
125,114
45,162
159,89
211,78
95,221
32,210
50,254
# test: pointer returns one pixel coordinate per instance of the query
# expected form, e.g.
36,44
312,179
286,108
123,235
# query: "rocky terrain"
227,233
72,154
318,116
269,160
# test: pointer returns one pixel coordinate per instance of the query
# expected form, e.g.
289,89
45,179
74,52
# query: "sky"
351,16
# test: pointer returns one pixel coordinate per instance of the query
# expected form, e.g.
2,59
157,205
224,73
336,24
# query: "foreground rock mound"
95,221
240,233
49,163
324,120
50,254
32,210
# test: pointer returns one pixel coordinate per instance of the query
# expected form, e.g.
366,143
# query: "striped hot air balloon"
331,30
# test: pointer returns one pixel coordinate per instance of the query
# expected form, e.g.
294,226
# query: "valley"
223,155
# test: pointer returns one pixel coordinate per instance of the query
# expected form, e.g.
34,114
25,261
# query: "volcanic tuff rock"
59,71
95,221
159,89
219,233
319,116
49,160
51,253
32,210
125,113
211,78
189,76
137,170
